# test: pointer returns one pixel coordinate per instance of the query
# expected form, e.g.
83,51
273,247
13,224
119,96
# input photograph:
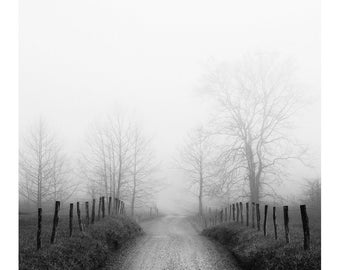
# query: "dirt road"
172,242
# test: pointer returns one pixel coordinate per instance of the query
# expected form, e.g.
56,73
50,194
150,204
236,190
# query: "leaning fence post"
265,220
70,222
87,213
103,206
93,210
241,212
253,214
258,217
39,229
233,212
305,226
286,222
79,217
99,207
274,222
55,221
247,213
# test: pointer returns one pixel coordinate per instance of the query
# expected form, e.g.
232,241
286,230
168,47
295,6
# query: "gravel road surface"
172,242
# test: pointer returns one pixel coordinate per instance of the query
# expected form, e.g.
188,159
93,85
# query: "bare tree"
107,161
196,160
143,166
257,100
43,172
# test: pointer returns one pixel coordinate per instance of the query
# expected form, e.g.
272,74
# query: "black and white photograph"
168,135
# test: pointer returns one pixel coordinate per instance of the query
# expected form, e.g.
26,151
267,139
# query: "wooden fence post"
226,214
258,217
274,222
99,207
253,214
247,213
110,202
221,215
241,212
265,220
70,222
79,218
305,226
233,212
286,222
87,211
230,210
93,211
39,229
55,221
237,212
103,206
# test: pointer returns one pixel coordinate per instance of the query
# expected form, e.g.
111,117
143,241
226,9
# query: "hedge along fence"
83,223
253,218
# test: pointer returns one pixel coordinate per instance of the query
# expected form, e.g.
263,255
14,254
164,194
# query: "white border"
9,133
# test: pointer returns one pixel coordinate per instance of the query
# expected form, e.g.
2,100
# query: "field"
88,250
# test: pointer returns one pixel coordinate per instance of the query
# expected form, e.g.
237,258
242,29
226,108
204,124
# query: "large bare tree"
257,99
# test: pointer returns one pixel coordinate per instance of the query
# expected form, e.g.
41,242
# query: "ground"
172,242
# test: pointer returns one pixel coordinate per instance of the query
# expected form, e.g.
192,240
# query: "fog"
81,61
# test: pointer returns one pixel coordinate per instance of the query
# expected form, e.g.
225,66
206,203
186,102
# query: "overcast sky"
81,60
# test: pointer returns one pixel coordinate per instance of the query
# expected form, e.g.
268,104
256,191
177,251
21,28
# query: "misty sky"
81,60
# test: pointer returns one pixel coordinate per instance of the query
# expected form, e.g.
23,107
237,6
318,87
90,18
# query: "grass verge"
253,251
82,251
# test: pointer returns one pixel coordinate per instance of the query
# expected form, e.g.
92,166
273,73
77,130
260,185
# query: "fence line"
212,218
119,206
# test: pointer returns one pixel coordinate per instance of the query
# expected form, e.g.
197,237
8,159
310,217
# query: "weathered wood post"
286,223
253,214
241,212
237,212
258,217
70,220
79,217
93,211
39,229
55,221
274,222
114,206
221,215
247,214
103,206
305,226
226,214
233,212
110,202
87,211
265,220
99,207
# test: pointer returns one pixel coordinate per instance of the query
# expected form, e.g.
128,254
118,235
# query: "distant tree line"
118,162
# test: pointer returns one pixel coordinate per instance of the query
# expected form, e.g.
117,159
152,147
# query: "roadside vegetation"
254,251
88,250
